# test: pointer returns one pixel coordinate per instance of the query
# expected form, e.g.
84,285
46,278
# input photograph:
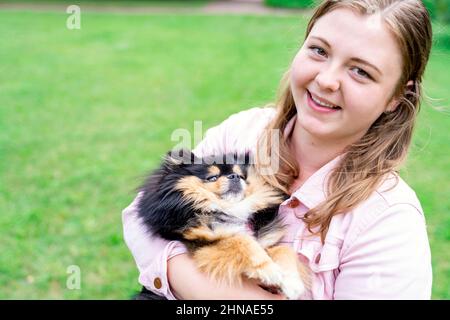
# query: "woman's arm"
150,252
187,282
389,260
161,262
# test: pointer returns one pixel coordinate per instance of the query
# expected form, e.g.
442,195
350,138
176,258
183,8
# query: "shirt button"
294,203
157,283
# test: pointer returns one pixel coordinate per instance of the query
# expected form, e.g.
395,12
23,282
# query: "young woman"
345,118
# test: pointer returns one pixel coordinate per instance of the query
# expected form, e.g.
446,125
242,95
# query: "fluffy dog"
226,215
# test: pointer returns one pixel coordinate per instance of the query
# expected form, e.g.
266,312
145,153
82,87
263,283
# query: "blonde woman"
345,116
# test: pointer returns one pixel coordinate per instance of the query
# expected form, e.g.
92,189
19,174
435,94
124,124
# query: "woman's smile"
319,105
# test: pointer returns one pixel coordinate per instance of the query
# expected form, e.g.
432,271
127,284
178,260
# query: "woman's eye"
362,73
318,50
212,179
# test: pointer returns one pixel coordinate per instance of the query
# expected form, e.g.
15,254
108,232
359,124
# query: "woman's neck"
311,153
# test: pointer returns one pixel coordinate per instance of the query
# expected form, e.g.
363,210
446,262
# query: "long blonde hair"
384,147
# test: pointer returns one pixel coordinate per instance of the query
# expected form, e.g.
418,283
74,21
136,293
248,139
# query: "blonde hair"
384,147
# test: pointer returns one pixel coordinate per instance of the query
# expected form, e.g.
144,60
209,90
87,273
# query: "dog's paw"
269,274
292,286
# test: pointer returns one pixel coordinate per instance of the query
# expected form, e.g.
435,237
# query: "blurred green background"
439,9
84,114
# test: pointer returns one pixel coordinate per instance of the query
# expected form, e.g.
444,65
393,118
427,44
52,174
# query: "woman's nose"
328,79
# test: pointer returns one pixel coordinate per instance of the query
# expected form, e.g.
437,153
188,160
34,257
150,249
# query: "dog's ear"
180,157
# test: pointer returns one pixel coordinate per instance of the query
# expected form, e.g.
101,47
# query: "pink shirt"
379,250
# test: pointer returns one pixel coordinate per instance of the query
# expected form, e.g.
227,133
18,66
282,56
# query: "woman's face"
352,63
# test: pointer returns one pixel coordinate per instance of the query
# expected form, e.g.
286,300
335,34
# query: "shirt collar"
313,191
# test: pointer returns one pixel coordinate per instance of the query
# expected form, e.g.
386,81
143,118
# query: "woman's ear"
392,106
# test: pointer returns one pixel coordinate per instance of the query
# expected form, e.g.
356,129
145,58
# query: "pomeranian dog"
226,215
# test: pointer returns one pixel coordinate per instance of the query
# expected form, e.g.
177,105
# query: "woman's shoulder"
393,196
238,133
255,116
395,191
392,210
393,199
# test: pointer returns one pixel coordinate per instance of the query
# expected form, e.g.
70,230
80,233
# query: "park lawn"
84,114
116,3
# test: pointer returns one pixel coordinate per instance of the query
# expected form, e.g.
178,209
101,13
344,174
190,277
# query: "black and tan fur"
227,217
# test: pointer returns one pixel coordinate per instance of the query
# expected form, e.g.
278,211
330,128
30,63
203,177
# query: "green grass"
84,113
124,3
291,3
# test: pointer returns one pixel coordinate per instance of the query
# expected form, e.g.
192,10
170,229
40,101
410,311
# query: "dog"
226,215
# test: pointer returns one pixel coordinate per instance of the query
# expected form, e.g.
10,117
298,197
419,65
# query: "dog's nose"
233,176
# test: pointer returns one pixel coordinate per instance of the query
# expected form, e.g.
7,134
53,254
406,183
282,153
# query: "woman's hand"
187,282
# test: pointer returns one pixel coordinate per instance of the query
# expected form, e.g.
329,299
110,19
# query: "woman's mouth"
320,106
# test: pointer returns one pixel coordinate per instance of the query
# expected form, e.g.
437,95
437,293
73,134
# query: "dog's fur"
226,215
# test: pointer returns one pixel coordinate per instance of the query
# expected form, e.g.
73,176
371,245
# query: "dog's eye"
212,179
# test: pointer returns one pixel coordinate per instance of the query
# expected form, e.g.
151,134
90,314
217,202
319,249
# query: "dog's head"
209,178
186,188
